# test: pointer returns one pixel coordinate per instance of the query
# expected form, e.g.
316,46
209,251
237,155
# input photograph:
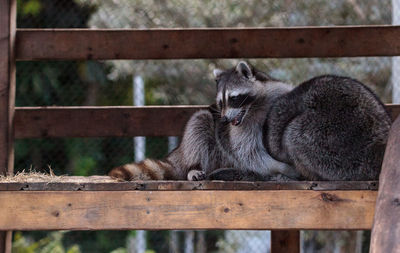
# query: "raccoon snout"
224,120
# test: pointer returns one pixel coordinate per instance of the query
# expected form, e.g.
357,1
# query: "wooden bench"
96,203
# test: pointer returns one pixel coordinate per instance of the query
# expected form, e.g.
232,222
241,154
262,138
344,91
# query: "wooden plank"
6,242
287,241
393,110
98,210
90,44
386,230
7,96
103,121
104,183
7,83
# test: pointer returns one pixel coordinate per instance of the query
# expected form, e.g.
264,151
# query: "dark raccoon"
197,152
329,128
228,135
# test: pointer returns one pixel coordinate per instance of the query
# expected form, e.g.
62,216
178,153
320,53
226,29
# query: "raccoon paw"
196,175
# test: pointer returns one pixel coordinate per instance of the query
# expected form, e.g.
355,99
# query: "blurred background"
167,82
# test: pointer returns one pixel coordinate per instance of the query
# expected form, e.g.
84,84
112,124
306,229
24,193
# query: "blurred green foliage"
66,83
52,243
91,83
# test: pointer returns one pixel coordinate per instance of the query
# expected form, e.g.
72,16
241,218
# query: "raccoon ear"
244,69
217,72
261,76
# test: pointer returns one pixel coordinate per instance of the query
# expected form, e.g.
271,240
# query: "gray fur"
198,149
329,128
212,140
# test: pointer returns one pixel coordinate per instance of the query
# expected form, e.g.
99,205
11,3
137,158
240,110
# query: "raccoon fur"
227,135
328,128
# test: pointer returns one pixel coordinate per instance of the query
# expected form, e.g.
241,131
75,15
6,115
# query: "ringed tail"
147,169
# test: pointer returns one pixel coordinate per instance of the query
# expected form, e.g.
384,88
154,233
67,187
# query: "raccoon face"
235,92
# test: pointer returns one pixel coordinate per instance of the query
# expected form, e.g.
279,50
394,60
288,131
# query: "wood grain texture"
98,210
7,83
103,121
105,183
7,97
386,230
287,241
85,44
393,110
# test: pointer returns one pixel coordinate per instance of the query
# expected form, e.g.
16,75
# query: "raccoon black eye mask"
327,128
240,100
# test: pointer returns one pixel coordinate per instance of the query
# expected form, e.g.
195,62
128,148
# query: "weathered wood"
7,96
37,122
7,83
81,44
104,183
6,241
102,121
287,241
386,229
98,210
393,110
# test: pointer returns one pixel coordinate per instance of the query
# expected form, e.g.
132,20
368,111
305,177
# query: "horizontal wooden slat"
102,121
81,44
42,122
97,210
105,183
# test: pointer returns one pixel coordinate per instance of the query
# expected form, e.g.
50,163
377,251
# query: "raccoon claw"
196,175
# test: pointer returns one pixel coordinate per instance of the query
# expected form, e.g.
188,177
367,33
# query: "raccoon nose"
224,119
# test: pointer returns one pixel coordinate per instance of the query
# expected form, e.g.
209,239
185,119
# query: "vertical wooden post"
386,228
7,83
7,96
287,241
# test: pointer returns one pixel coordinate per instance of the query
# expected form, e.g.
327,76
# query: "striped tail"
147,169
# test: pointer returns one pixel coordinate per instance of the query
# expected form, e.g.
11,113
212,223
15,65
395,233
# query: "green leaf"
119,250
32,7
74,249
84,165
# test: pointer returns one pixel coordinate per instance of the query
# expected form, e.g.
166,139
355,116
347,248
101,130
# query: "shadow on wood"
287,241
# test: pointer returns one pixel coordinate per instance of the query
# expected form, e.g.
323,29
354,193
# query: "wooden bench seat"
99,203
85,205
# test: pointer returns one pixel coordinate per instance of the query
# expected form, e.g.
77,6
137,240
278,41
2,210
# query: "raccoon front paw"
196,175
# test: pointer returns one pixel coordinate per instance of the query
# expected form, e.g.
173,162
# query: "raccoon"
227,135
244,96
196,154
329,128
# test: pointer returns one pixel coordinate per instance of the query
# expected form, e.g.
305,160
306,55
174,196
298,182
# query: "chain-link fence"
101,83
